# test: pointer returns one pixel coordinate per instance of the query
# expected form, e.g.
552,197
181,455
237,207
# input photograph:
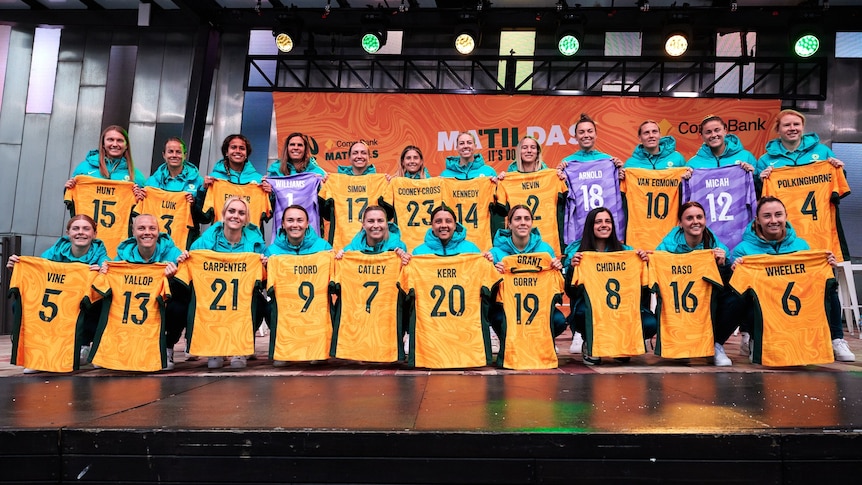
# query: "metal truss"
786,78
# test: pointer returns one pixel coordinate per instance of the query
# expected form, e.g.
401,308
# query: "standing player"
111,161
235,169
654,151
771,233
586,133
346,195
467,164
295,158
175,177
531,183
793,147
412,164
720,148
413,195
107,184
359,154
792,170
471,199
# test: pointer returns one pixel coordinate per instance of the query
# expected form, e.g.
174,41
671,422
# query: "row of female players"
176,174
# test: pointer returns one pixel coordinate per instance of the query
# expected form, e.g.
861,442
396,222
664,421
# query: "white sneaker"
721,359
495,342
577,343
28,370
744,343
842,351
215,362
85,354
170,360
238,362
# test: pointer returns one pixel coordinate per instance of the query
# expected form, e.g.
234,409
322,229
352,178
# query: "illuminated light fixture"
570,34
468,35
373,32
288,31
568,45
465,43
284,41
676,44
806,45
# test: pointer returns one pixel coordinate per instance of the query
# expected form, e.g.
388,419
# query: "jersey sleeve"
184,273
209,200
69,200
840,187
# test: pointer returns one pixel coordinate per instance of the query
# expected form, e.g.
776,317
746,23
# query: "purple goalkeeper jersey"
592,184
299,189
728,198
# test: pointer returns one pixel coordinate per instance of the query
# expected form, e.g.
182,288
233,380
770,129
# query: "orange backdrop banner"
389,122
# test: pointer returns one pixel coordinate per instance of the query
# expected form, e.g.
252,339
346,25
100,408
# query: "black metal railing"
787,78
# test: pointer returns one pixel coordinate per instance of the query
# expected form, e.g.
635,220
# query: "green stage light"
568,45
371,43
806,45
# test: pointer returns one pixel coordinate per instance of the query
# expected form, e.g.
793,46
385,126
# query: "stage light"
284,41
372,42
468,35
676,44
806,45
570,32
373,32
465,43
568,45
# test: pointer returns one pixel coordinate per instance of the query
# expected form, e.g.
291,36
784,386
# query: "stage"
649,421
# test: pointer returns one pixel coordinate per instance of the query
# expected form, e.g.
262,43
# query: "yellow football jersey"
789,293
652,202
300,318
259,205
683,284
46,307
449,327
345,199
367,317
222,311
108,202
810,194
413,201
530,290
612,284
172,211
471,200
131,334
544,193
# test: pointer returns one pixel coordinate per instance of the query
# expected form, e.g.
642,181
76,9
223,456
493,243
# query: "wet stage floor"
649,421
587,403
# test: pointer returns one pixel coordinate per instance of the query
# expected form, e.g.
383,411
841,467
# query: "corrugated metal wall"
138,81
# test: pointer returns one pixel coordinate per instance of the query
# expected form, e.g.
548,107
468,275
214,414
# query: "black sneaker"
588,359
